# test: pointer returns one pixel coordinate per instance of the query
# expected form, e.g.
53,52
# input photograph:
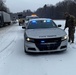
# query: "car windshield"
31,17
36,24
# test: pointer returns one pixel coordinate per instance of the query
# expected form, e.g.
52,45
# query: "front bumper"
32,47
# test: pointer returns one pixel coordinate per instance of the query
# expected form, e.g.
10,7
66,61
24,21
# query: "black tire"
25,49
19,23
8,23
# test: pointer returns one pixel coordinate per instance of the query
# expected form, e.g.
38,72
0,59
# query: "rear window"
31,17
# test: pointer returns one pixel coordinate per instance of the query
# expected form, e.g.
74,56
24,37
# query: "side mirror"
59,25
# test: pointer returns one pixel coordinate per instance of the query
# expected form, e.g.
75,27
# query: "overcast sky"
20,5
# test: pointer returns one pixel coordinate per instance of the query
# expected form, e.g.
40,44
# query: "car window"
31,17
35,24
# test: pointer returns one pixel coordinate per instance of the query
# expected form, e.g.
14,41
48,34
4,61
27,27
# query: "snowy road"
13,60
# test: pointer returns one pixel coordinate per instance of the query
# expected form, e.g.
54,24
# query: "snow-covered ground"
13,60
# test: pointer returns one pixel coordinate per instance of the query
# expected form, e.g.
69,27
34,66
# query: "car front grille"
47,44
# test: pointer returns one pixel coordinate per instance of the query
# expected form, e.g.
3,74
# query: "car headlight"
29,40
65,37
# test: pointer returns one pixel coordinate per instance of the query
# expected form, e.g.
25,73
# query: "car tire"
64,50
25,49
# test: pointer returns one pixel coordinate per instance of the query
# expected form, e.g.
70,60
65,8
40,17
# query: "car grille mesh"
48,44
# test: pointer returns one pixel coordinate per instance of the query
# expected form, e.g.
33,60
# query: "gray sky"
20,5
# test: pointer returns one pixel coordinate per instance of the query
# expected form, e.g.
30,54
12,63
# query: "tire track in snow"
7,46
7,40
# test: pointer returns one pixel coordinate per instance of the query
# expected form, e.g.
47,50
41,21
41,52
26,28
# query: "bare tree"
74,0
3,7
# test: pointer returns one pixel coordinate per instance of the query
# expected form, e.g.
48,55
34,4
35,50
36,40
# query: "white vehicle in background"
28,18
43,35
5,19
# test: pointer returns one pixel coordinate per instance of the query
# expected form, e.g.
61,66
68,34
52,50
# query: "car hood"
45,33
